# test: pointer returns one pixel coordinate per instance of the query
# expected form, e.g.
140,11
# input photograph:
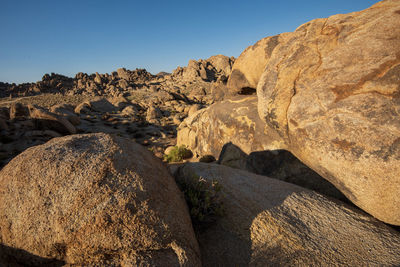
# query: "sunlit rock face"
234,120
250,65
331,90
93,200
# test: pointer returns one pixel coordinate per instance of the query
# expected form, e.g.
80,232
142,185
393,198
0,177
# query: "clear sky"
66,37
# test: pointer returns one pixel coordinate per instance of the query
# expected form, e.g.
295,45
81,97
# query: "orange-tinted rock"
331,90
235,120
250,65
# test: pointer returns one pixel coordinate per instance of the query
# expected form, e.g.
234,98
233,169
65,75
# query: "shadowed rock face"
278,164
13,257
272,223
331,90
93,200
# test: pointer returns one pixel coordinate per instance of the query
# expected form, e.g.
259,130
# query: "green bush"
203,198
178,154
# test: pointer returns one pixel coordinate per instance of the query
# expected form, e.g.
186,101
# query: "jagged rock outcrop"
91,85
54,83
331,91
116,84
215,68
272,223
138,75
93,200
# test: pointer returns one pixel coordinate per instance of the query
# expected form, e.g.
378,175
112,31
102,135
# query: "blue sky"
66,37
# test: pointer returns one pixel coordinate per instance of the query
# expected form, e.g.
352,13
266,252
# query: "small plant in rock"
177,154
204,199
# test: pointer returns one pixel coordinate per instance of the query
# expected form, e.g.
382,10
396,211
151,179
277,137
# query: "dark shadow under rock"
278,164
14,257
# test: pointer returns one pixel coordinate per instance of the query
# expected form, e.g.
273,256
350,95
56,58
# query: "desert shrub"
204,199
177,154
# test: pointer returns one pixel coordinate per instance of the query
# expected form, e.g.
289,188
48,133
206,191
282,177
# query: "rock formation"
94,200
50,121
250,65
333,105
234,120
272,223
92,85
331,91
215,68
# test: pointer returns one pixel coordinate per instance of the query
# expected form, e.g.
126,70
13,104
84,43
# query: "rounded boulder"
93,199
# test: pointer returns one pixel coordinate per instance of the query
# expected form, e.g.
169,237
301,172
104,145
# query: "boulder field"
131,103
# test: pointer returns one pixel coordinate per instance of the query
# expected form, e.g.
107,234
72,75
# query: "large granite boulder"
268,222
250,65
93,200
234,120
331,90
